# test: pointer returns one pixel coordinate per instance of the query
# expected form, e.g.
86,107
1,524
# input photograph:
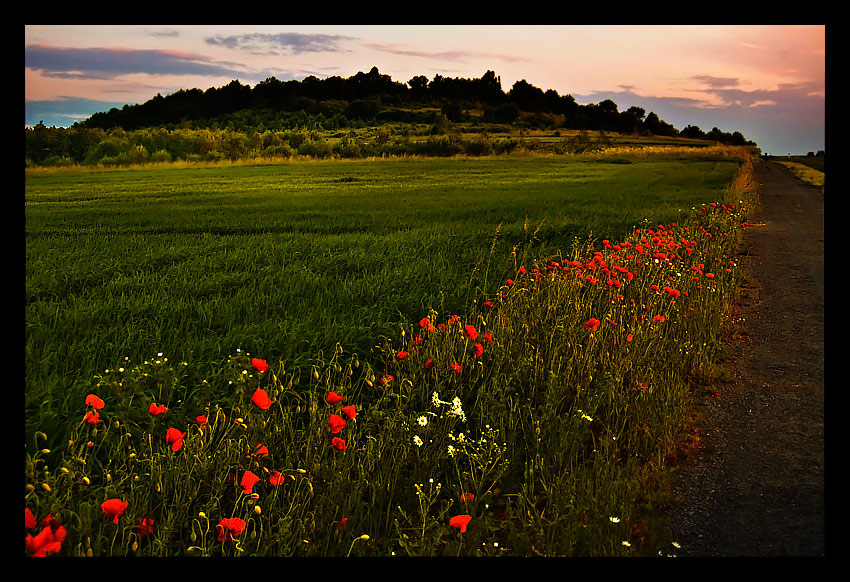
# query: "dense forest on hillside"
365,115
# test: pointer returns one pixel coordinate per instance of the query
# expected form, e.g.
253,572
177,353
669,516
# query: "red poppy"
262,450
114,508
591,324
477,349
429,363
467,497
277,478
155,410
29,518
49,539
94,401
260,365
349,411
248,482
386,379
426,324
509,282
342,523
229,528
333,398
261,399
401,355
202,421
143,527
658,318
460,522
92,417
629,337
174,438
456,368
336,423
338,443
488,337
470,332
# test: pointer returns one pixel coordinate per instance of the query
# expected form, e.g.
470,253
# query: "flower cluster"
336,422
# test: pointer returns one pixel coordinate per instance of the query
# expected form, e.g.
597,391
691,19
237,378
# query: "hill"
334,116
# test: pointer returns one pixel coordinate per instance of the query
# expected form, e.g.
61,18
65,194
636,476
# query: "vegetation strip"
538,421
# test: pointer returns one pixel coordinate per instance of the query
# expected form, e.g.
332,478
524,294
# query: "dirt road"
755,486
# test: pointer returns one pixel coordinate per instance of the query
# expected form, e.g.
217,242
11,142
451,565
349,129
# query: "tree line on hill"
288,117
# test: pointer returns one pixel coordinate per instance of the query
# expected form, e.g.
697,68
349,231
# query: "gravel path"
755,485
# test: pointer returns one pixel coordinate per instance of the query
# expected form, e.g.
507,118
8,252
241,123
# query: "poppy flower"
261,399
629,337
248,482
333,398
470,332
174,438
456,368
48,540
509,282
29,519
92,417
429,363
349,411
460,522
488,337
467,496
155,410
336,423
262,450
386,379
402,355
658,318
426,324
143,527
230,527
338,443
591,324
94,401
202,421
277,478
260,365
477,349
342,523
114,508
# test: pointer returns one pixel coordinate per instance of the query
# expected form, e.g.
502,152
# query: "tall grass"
542,404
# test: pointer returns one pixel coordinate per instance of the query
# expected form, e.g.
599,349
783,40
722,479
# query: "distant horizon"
768,82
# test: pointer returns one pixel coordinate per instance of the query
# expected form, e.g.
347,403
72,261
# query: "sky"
768,82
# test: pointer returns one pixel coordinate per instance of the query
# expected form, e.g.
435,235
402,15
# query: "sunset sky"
768,82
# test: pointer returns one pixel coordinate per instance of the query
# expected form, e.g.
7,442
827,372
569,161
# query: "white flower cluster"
455,406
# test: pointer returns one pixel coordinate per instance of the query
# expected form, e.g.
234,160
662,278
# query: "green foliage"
541,436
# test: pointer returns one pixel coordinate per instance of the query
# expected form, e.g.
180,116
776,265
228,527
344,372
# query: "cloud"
291,42
716,82
457,56
108,63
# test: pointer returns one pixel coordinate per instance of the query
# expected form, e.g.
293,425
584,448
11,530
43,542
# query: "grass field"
285,261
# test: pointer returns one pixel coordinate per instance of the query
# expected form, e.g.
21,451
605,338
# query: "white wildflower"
422,421
417,441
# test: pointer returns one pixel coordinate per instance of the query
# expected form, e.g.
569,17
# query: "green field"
333,358
286,260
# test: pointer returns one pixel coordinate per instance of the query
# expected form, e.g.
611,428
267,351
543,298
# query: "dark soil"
754,483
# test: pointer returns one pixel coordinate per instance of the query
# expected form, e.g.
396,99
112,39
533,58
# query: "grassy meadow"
240,296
